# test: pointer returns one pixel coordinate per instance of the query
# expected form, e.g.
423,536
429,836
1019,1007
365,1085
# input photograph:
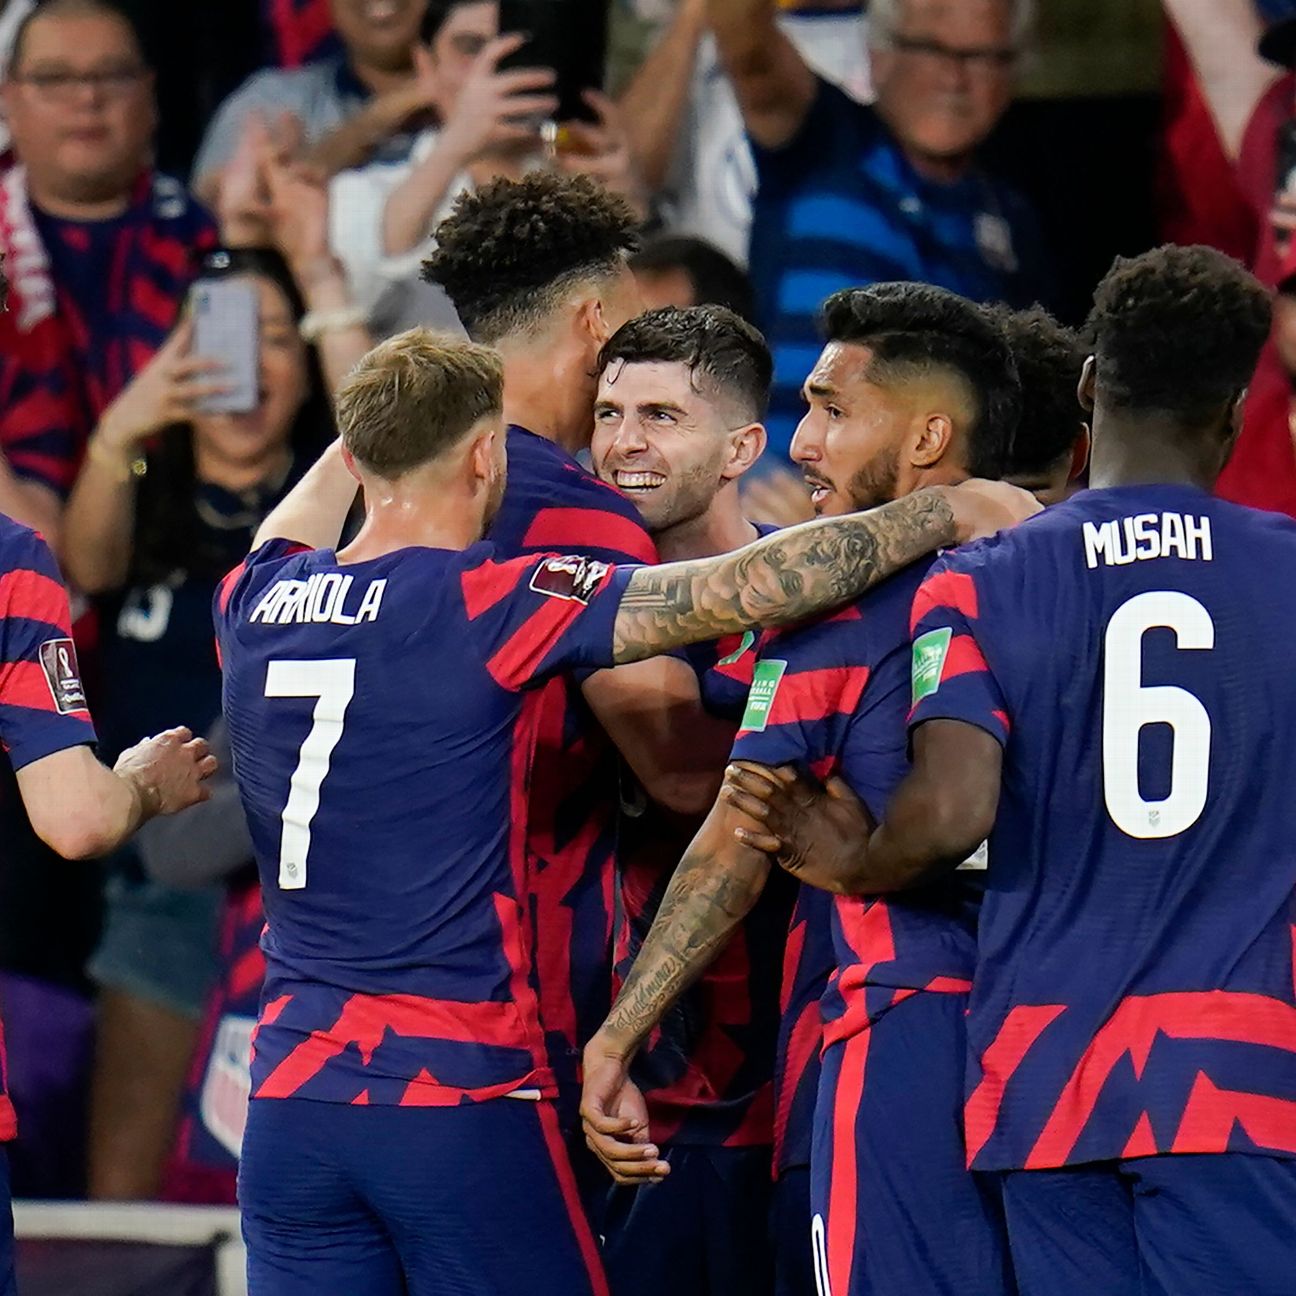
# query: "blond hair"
415,396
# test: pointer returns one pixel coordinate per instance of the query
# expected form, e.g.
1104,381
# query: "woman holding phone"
166,503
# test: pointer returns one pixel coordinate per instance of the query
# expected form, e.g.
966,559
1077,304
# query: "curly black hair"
1050,360
719,347
507,252
1178,330
913,328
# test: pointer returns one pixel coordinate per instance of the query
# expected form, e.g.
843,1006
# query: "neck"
62,207
240,475
942,170
538,395
720,530
378,79
412,516
1151,450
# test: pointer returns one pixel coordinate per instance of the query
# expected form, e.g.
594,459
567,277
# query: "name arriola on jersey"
321,597
1147,535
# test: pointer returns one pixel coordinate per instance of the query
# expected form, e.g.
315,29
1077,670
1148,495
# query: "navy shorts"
7,1281
702,1231
1155,1226
476,1200
895,1208
794,1271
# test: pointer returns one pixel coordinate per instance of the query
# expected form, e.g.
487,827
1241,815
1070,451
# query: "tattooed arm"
798,573
713,890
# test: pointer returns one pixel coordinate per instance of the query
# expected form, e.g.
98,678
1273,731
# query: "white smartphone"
227,329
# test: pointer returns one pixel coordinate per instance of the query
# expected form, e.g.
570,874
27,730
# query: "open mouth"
638,483
819,490
382,11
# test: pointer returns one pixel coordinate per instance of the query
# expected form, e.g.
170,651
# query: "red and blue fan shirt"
383,720
42,701
552,504
707,1071
1134,990
832,697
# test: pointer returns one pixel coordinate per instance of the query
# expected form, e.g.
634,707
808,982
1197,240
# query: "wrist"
114,452
609,1044
952,519
147,798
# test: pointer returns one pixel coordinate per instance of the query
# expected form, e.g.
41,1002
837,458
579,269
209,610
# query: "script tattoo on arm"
714,888
786,577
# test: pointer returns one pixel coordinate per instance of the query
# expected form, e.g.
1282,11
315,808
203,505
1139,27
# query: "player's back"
1137,938
381,750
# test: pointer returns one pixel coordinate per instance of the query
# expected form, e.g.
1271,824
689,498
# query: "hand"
615,1117
777,497
298,216
818,834
169,771
602,150
982,508
166,391
498,110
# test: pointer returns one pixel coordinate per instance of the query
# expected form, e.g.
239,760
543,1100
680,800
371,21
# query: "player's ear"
349,459
1086,389
934,439
593,322
1237,417
1080,453
481,455
746,445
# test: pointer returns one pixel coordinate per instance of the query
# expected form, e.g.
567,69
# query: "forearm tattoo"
786,577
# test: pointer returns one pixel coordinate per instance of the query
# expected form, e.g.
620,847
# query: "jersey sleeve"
950,678
42,701
599,523
806,687
536,617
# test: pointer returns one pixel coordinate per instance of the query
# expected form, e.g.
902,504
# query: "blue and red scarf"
59,370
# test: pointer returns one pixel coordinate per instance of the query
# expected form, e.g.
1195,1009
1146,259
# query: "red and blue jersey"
42,702
832,697
707,1071
552,505
1134,985
382,720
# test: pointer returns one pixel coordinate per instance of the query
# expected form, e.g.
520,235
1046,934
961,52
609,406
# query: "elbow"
77,837
959,821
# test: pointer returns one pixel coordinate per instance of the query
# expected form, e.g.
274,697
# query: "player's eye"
834,412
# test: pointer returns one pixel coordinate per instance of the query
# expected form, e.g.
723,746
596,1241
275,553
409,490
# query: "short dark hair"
508,252
434,17
719,347
717,280
914,328
1178,330
1050,360
73,9
413,397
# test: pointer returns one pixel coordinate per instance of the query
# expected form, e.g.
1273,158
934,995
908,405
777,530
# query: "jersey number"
332,683
1128,706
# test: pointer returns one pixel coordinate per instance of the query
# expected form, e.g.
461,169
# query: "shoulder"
275,558
285,86
20,543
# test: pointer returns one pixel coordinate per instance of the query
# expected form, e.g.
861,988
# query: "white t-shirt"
713,177
387,287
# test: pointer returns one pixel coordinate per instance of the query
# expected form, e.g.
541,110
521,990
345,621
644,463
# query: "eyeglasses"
61,85
984,60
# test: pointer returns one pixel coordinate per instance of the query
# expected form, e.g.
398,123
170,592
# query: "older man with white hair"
850,194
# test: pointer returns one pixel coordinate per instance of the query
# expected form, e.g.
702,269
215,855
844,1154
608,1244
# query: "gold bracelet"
122,470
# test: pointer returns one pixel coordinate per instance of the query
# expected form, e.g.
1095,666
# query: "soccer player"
401,1136
52,788
539,270
1091,689
915,386
677,423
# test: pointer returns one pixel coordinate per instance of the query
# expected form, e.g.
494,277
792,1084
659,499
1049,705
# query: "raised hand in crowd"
602,149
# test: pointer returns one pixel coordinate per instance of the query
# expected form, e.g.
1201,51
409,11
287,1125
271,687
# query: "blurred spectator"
686,127
98,249
348,108
1253,101
850,194
166,504
298,31
675,270
11,18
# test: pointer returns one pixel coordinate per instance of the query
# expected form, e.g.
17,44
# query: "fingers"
207,767
758,780
500,48
603,107
603,1122
628,1163
528,106
179,735
765,842
752,806
518,80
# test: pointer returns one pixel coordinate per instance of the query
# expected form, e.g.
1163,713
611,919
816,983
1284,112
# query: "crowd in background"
773,157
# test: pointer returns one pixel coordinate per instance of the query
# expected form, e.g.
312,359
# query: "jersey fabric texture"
1134,989
551,504
839,205
42,701
382,733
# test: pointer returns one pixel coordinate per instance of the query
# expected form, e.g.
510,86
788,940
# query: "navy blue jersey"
1134,987
383,745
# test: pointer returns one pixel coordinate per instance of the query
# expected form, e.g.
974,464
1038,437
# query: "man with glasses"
850,195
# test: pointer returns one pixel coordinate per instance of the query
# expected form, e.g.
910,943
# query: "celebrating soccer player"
1090,688
916,386
401,1136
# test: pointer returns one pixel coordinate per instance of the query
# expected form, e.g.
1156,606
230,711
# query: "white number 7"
333,683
